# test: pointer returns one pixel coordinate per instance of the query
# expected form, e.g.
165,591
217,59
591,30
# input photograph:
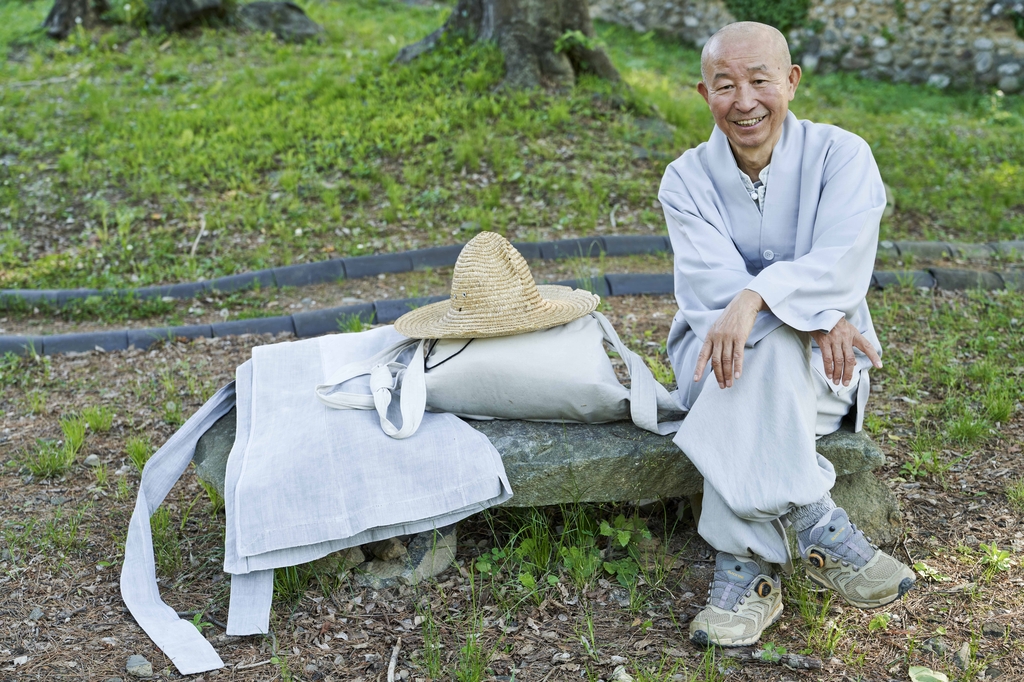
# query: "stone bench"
563,463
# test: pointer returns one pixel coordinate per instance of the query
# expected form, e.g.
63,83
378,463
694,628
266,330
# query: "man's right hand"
837,351
727,338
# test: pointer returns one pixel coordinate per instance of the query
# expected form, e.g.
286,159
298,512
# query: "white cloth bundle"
560,374
303,481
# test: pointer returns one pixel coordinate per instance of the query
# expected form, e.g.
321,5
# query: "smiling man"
774,225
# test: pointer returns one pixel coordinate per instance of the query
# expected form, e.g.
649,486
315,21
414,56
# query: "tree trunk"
545,42
66,14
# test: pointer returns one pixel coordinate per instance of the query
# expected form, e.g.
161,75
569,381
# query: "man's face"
748,90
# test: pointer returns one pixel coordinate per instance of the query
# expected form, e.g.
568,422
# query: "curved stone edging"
328,320
320,272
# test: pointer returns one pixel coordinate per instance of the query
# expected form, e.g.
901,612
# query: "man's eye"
725,88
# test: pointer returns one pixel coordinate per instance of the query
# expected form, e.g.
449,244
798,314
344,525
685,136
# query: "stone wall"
952,43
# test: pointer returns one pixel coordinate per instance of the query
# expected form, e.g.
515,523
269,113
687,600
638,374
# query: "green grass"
99,418
139,451
329,149
49,459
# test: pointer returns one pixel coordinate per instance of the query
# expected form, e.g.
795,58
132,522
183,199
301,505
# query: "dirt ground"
62,617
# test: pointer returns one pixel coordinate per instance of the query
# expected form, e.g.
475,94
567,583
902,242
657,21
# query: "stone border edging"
328,320
320,272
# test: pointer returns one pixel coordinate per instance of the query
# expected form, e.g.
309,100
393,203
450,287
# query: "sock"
805,518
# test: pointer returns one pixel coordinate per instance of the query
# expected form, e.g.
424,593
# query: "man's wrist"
755,300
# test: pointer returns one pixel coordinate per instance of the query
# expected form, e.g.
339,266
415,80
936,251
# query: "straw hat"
493,294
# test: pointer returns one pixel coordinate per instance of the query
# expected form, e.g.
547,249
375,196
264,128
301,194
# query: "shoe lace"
725,593
855,549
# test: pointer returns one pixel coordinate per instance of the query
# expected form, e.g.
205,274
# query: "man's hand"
724,343
837,351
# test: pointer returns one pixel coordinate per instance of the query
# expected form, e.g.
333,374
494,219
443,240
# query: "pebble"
992,673
561,657
993,629
92,461
936,645
36,614
620,675
963,656
138,666
113,679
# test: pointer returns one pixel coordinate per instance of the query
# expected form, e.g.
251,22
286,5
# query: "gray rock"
427,555
962,657
5,554
926,250
939,80
992,673
113,679
1009,84
1008,69
959,280
973,251
983,44
562,463
386,550
870,504
339,563
138,666
993,629
983,62
883,57
286,20
936,645
36,614
92,461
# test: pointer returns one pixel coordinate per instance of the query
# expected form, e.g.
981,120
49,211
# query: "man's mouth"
749,122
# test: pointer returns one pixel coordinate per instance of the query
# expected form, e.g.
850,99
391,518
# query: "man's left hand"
724,344
837,351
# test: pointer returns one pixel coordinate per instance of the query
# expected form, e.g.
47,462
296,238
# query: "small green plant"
212,494
122,492
929,573
771,652
431,641
281,661
98,418
1015,494
36,402
352,324
879,622
172,413
49,460
199,623
165,542
139,451
102,476
662,372
581,563
573,39
994,560
291,582
63,534
73,428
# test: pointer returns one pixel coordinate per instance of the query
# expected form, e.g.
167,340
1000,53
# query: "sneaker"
742,602
839,557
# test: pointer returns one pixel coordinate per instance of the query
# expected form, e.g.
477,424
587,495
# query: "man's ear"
794,79
703,90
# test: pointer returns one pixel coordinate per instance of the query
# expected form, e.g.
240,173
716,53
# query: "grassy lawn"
118,146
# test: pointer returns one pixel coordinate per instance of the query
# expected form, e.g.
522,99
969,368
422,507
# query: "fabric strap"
388,377
179,639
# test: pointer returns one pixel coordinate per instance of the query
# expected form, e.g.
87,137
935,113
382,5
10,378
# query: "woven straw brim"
442,320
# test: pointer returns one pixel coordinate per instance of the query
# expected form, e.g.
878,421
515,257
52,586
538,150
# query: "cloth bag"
560,374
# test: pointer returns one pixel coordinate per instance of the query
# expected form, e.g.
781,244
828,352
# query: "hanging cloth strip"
302,481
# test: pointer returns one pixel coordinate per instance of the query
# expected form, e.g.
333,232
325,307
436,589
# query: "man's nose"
745,97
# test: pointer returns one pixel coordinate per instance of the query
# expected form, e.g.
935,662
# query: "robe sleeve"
815,291
705,256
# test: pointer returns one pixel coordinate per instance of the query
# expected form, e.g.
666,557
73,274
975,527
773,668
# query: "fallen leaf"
919,673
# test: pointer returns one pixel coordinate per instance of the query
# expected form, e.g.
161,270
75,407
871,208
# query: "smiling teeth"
749,121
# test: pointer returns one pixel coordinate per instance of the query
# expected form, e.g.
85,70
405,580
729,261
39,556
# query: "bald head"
769,40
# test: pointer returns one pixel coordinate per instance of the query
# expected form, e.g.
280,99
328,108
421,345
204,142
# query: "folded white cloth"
302,481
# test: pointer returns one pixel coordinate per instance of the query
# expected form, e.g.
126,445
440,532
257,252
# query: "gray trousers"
754,443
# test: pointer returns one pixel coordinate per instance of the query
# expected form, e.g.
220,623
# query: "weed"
36,402
823,633
662,372
102,476
139,451
172,413
99,418
431,641
212,494
291,582
165,542
967,429
73,428
199,623
926,571
49,460
63,534
880,621
352,324
994,560
1015,494
123,492
772,652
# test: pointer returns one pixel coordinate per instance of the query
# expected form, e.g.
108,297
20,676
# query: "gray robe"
809,254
